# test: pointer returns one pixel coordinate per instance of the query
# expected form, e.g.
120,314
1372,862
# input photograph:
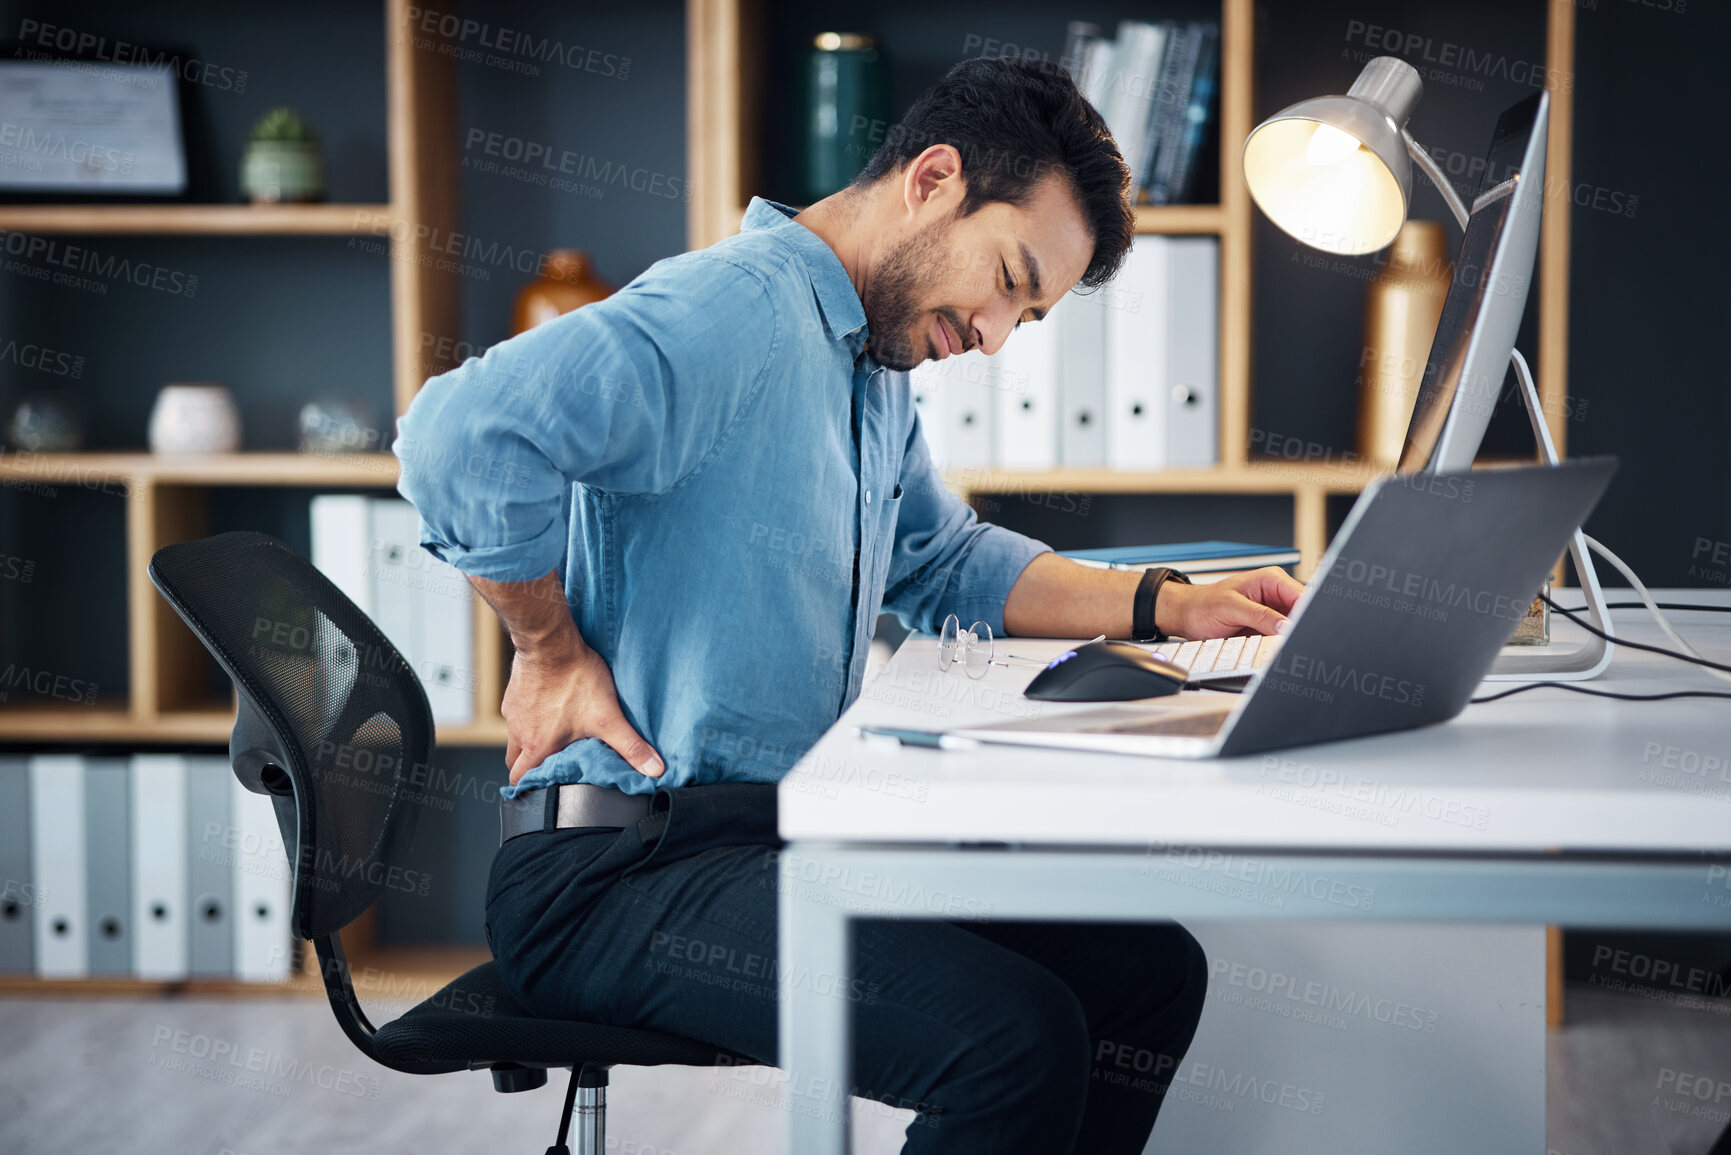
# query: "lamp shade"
1333,171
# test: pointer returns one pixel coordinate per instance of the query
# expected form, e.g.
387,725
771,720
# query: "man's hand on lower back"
560,690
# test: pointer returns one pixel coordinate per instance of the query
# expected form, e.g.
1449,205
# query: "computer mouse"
1105,672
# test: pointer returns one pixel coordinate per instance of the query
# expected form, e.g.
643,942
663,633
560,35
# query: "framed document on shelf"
72,129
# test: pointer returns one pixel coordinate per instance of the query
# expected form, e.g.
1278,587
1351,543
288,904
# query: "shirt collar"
836,297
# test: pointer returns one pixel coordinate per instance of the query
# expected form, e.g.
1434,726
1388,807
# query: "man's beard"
901,280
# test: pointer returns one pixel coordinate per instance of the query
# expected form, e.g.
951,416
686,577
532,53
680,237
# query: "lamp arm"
1429,167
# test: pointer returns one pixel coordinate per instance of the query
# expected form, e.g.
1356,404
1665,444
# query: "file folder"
107,838
261,889
57,865
1026,422
1081,325
445,659
342,534
1193,352
1136,349
159,851
17,890
209,868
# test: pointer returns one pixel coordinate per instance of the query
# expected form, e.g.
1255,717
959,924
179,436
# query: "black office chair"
317,681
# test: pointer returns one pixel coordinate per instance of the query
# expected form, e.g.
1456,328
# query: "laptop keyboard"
1221,657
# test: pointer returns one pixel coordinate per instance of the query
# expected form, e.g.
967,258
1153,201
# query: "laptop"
1405,615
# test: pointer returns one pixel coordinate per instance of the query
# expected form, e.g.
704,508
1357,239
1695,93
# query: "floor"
1629,1075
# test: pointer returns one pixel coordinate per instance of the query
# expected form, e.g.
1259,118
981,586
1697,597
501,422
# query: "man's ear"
932,183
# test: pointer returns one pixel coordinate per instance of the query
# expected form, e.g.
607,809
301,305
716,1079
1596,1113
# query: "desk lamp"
1335,172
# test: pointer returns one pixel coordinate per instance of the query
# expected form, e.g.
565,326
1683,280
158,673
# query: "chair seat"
475,1021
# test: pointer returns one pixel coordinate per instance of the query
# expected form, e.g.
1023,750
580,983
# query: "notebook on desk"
1420,589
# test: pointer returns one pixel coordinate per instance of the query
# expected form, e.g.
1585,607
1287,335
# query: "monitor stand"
1551,662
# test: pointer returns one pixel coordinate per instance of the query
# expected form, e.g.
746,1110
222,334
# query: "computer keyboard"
1221,657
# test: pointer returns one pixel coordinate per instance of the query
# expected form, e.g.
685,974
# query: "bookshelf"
168,499
726,118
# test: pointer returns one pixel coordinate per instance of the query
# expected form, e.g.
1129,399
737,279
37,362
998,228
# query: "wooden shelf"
1258,477
199,220
115,723
405,974
1180,219
123,987
240,469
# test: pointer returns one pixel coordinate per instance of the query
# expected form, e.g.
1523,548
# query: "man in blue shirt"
689,504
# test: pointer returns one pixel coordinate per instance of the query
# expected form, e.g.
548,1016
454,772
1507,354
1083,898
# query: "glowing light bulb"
1329,145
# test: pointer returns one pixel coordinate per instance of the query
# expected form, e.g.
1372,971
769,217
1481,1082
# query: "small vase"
282,172
567,281
194,418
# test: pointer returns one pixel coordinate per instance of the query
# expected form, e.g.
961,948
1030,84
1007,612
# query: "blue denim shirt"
700,456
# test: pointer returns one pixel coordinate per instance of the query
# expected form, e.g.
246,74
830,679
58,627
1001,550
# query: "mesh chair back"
333,722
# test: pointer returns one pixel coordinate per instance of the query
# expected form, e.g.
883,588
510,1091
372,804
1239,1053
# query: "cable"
1716,667
1722,672
1643,605
1576,688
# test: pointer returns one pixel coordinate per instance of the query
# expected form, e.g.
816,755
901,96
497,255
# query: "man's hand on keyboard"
1249,603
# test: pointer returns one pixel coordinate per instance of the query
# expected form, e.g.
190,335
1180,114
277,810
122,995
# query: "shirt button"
868,497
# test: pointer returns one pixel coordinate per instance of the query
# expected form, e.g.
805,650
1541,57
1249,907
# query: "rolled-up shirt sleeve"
629,395
945,559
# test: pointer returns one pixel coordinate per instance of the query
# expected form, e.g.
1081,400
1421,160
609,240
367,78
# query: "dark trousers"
1002,1036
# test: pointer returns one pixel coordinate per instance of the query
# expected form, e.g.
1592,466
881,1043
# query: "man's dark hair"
1014,122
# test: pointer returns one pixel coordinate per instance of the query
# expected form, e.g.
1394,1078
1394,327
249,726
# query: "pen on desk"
928,738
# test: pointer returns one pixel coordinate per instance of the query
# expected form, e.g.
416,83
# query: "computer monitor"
1482,313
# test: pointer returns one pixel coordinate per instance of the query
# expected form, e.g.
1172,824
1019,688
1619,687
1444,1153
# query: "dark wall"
617,125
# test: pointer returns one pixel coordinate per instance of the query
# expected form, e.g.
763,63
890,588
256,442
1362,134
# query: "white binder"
1082,369
108,866
261,889
342,533
1026,421
57,853
1136,351
392,546
446,658
160,898
931,422
1193,352
959,389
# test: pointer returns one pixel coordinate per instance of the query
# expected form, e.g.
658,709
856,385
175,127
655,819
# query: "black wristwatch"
1142,624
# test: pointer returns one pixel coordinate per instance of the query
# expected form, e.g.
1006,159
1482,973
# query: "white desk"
1549,807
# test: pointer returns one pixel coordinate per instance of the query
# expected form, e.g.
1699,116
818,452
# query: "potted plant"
282,163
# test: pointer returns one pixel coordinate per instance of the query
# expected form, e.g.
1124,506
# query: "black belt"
574,804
